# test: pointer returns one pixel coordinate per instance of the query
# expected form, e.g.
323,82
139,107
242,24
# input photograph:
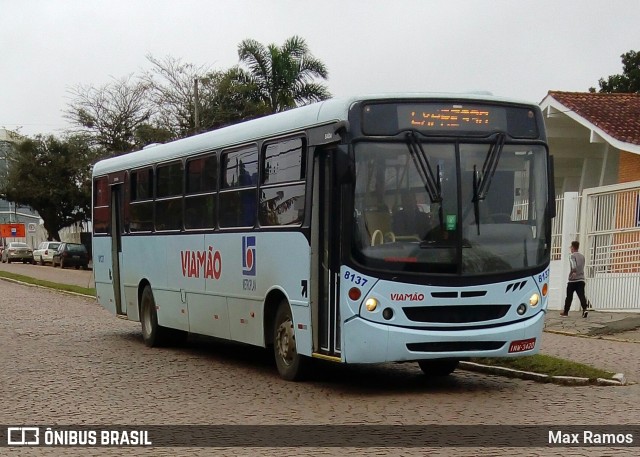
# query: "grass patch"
51,285
549,365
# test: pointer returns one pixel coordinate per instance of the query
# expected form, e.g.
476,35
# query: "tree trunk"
53,234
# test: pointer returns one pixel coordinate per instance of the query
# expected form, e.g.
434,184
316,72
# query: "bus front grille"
456,314
456,346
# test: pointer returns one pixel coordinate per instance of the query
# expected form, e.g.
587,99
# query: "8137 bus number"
543,276
354,278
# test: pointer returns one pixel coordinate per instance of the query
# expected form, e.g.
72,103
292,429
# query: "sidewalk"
619,326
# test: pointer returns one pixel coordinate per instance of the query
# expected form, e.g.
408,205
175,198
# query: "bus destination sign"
449,118
440,117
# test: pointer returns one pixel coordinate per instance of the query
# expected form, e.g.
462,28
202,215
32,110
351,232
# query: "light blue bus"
386,228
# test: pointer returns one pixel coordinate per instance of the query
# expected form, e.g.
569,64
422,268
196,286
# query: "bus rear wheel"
437,367
153,334
291,365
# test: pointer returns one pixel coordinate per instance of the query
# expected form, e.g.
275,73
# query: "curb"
68,292
593,337
618,380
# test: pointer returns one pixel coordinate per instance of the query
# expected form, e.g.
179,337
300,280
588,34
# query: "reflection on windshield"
400,226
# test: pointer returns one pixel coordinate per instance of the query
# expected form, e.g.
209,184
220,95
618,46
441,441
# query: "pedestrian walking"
576,281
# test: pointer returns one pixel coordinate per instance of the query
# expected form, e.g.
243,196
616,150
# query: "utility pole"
196,108
196,100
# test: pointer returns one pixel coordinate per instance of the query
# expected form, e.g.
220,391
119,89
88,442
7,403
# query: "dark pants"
578,288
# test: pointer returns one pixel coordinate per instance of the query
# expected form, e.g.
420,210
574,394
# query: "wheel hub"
285,340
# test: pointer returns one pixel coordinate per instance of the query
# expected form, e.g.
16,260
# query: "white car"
44,253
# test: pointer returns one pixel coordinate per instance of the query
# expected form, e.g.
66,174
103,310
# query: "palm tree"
283,77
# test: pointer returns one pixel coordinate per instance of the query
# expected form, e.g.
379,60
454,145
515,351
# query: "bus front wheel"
438,367
291,365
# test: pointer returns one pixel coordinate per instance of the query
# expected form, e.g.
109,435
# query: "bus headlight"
521,309
534,300
371,304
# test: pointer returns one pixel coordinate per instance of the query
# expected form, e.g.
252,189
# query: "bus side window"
282,190
168,203
200,198
101,206
237,199
141,204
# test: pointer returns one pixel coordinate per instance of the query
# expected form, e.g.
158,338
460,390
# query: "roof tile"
617,114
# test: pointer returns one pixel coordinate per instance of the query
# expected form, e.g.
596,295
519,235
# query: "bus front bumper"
370,342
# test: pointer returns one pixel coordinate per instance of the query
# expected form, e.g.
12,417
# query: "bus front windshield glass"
441,208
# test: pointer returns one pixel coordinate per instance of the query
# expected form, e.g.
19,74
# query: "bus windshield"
450,208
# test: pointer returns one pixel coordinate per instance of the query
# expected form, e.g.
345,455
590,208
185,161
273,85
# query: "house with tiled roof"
594,138
595,141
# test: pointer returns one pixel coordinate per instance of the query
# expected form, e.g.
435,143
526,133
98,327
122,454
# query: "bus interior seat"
377,219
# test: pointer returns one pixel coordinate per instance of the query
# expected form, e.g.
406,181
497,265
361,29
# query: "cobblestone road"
65,360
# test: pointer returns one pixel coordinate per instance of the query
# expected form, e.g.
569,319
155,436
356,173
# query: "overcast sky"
512,48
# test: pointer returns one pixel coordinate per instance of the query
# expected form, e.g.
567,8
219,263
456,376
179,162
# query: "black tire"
291,365
153,334
438,367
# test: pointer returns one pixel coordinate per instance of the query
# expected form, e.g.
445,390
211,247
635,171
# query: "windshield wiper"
482,182
431,182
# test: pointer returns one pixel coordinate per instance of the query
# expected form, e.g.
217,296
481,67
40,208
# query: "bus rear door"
116,247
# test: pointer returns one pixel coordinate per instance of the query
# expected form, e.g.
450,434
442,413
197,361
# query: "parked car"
17,251
44,253
71,254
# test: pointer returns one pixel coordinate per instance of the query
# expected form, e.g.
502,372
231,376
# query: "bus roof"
294,120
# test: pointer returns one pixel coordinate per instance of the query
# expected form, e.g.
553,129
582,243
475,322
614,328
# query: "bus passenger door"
116,247
325,257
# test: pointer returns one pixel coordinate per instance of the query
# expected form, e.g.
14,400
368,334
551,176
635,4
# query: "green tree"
628,81
282,77
233,100
109,115
146,134
52,176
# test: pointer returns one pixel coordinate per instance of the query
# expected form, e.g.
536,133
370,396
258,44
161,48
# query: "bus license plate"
522,345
